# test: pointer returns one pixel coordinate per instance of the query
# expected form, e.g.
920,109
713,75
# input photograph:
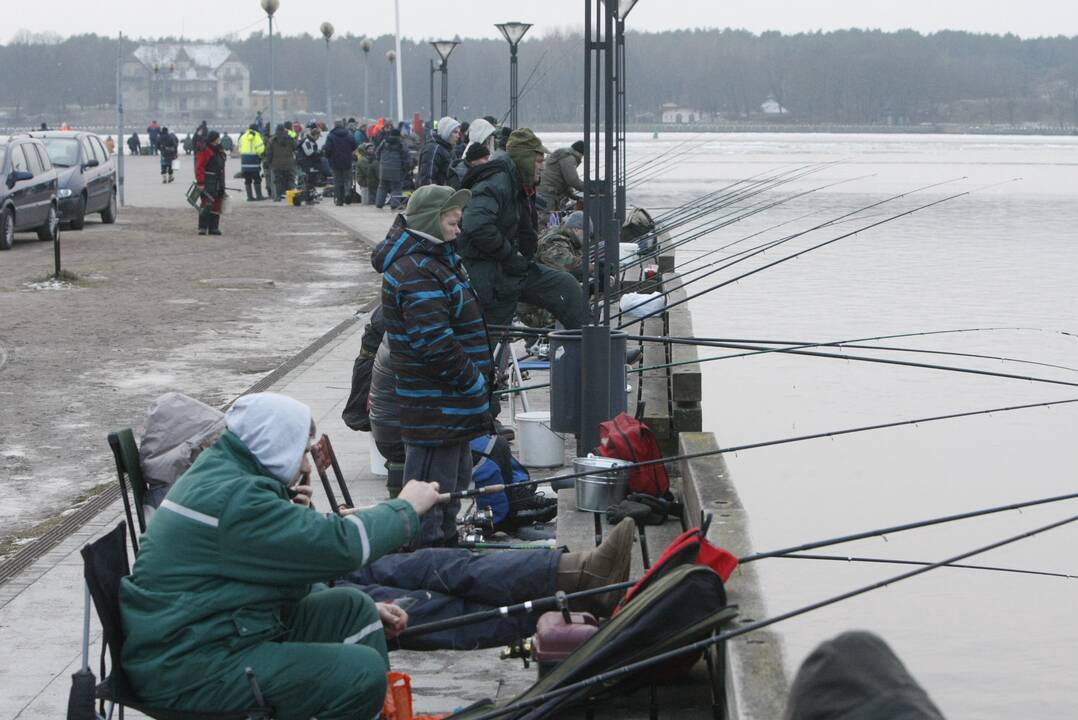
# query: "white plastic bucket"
539,445
378,463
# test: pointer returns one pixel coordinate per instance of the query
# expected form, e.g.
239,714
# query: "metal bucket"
595,493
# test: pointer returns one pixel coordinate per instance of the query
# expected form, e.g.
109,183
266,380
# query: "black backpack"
356,413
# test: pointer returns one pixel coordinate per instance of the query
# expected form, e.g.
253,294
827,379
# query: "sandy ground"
156,308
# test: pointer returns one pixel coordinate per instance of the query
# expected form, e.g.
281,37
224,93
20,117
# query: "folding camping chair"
324,458
506,360
128,470
104,565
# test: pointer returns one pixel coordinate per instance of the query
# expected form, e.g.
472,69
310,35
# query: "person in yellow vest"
252,148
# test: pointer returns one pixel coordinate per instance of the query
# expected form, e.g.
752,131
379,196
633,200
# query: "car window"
3,155
43,154
63,151
32,159
87,150
100,151
18,160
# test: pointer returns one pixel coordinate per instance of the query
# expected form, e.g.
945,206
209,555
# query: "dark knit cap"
476,151
213,137
579,146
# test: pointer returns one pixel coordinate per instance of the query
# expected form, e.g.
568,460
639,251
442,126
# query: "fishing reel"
474,525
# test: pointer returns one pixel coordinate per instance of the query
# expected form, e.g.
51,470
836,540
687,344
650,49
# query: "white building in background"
675,114
771,106
188,81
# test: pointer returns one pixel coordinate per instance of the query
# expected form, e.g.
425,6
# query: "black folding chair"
104,565
129,472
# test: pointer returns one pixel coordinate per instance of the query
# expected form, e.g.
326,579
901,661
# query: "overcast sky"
206,19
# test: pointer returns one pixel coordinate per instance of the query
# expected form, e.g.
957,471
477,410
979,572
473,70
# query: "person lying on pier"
435,583
229,576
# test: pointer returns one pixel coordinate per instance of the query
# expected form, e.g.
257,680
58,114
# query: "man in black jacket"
169,146
437,154
338,150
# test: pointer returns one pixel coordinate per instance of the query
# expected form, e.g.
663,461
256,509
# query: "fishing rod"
553,602
524,88
890,218
891,561
623,672
796,552
838,343
853,358
491,489
636,167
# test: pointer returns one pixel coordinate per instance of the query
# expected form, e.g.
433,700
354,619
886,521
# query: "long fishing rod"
890,218
623,672
524,88
856,343
657,166
892,561
852,358
535,606
635,167
528,606
491,489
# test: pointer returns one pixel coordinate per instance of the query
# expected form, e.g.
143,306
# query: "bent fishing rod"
623,672
893,561
802,233
492,489
796,552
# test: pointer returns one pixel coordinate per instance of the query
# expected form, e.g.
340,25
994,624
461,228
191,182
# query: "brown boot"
605,565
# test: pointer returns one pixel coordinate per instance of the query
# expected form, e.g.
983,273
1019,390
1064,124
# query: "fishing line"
891,561
491,489
700,645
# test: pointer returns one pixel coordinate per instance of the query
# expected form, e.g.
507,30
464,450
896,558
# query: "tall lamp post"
366,46
445,48
327,33
391,56
270,6
622,8
433,69
513,32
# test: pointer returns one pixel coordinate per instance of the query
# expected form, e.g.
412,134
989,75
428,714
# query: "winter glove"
516,265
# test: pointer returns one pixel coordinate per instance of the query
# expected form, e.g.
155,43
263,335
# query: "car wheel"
51,229
7,229
108,215
79,218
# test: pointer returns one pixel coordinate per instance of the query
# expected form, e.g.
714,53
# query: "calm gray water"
986,645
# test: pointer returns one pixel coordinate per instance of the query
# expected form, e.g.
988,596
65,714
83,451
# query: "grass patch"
11,544
66,279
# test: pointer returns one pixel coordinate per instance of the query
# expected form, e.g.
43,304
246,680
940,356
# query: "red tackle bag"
626,438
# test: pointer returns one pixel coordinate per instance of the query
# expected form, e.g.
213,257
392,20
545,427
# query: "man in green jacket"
229,573
560,180
499,238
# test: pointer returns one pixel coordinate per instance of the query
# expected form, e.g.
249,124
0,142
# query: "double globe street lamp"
513,32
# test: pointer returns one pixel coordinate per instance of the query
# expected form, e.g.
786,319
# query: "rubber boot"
258,191
605,565
395,478
250,192
215,224
203,222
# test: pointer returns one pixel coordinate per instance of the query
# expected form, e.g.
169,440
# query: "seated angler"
229,573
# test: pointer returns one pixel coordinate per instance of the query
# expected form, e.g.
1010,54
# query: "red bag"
626,438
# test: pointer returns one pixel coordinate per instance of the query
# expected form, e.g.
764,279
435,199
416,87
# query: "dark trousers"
342,183
372,193
166,167
542,286
252,182
282,180
451,467
391,190
438,583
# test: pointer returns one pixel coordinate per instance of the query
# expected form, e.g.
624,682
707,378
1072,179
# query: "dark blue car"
28,186
87,176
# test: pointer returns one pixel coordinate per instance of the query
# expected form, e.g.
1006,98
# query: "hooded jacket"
560,177
281,151
228,555
438,341
339,148
489,228
434,162
168,144
393,159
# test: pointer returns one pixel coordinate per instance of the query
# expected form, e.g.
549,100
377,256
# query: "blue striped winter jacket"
438,341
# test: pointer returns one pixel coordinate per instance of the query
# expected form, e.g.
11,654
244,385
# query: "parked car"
87,175
28,185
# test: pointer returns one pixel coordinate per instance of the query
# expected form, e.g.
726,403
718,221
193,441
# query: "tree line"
839,77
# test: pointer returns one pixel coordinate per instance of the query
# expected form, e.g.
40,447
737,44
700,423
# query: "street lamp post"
366,46
513,32
391,56
622,8
270,6
433,69
445,48
327,33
